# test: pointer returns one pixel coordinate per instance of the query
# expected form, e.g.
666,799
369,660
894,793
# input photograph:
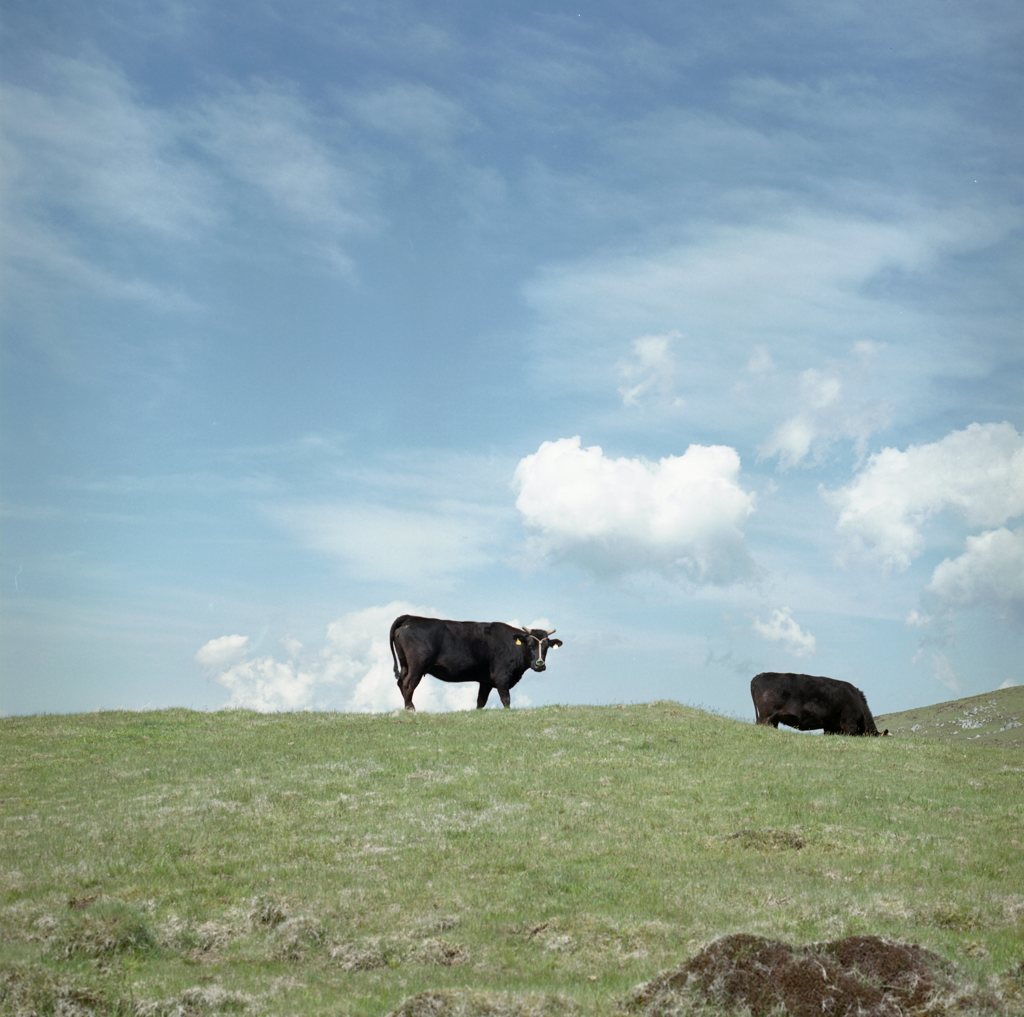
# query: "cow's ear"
555,642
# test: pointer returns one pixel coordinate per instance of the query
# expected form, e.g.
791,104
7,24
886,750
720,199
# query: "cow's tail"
394,656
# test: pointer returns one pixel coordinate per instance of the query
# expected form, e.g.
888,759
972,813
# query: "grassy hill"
993,718
527,862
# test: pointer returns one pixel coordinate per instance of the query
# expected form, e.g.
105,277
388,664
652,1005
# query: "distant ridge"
993,718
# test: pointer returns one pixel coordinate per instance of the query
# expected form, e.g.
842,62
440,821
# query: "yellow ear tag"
519,642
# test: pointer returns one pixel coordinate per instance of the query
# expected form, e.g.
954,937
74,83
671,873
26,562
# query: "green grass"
994,717
179,862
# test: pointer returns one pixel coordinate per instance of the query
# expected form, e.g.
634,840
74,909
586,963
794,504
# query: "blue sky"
693,331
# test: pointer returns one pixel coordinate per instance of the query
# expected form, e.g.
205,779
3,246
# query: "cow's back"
451,650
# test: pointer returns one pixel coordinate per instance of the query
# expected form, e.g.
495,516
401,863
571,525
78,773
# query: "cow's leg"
408,686
506,699
485,691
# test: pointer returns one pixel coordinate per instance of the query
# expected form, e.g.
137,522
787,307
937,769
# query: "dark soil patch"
862,976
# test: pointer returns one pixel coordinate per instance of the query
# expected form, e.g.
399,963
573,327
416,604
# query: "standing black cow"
492,653
810,703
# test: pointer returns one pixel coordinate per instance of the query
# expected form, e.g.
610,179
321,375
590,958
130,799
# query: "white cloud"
818,394
353,670
782,628
990,571
357,659
683,515
976,473
218,653
650,374
834,404
267,685
791,441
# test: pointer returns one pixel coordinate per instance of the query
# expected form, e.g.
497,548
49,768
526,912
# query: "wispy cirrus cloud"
268,140
649,373
800,286
842,402
414,113
85,144
104,181
382,543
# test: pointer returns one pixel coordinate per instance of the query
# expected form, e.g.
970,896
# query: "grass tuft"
768,840
104,929
467,1003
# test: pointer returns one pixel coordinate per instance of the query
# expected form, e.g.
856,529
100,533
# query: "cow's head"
536,643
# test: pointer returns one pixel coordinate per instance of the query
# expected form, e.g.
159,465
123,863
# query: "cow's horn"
552,632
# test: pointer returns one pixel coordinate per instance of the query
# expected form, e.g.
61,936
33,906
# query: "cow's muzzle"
539,665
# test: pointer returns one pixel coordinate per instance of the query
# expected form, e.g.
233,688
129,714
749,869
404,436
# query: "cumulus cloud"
222,651
352,670
976,473
357,664
782,628
682,515
268,685
990,571
975,479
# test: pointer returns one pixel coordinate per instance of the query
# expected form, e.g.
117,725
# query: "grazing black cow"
810,703
492,653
